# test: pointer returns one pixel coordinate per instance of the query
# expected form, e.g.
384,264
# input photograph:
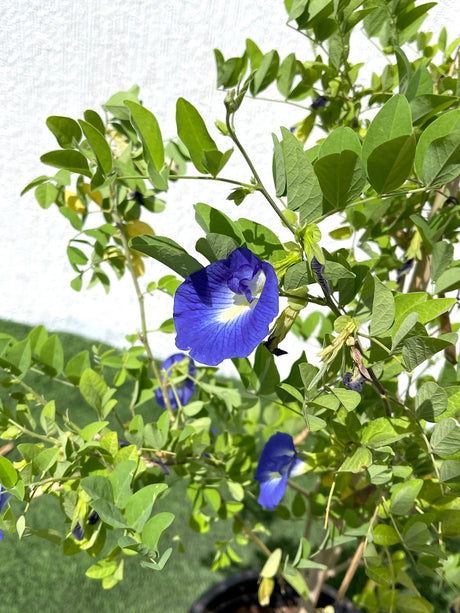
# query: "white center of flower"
240,303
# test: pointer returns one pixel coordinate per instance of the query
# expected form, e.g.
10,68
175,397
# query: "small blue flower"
184,389
354,381
4,495
224,310
319,103
78,532
277,463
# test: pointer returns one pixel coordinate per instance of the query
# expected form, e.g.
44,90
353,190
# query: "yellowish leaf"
95,196
137,227
72,201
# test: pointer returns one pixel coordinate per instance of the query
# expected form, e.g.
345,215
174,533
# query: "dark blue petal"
224,310
78,532
272,491
184,389
4,495
1,535
354,381
92,518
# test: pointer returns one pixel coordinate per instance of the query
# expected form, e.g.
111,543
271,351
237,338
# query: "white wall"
62,57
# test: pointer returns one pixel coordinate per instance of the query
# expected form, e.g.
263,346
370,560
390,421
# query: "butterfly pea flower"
224,310
277,463
184,389
4,495
319,103
354,381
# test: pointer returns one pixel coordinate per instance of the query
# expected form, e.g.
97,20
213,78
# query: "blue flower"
4,495
354,381
184,389
224,310
319,103
277,463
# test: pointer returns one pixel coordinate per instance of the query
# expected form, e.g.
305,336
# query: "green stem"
143,336
257,178
249,533
196,178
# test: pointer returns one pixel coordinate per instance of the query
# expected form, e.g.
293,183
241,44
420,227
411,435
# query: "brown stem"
351,570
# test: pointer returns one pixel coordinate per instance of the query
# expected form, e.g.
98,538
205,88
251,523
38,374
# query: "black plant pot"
240,591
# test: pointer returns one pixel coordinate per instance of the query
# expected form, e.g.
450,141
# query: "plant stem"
250,534
257,178
143,336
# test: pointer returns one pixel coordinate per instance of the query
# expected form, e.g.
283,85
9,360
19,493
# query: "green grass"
35,575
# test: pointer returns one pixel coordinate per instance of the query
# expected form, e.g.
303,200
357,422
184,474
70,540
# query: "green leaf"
108,513
149,132
98,487
74,161
20,355
167,252
448,280
76,366
444,125
341,176
389,164
303,188
361,458
420,348
405,71
120,478
383,309
426,106
8,474
66,130
44,460
385,535
213,220
450,471
420,84
155,527
441,163
99,145
442,256
266,73
286,75
279,173
38,181
192,131
271,566
266,371
445,439
48,416
391,122
214,160
413,604
139,506
93,388
402,328
264,243
116,103
52,356
95,120
348,398
403,496
46,194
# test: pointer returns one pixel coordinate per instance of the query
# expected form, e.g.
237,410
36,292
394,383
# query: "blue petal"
4,495
184,389
278,456
215,322
272,491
